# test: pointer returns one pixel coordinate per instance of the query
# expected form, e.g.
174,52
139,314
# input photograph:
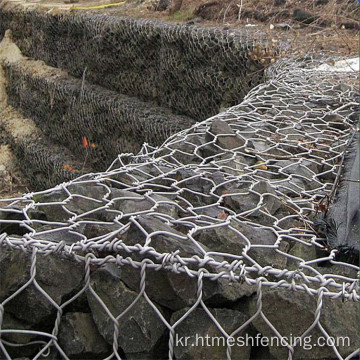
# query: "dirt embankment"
329,26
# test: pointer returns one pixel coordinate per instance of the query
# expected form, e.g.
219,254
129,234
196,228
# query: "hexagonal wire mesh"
216,222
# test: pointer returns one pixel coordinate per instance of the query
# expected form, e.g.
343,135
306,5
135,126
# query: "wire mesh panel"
118,82
203,248
193,70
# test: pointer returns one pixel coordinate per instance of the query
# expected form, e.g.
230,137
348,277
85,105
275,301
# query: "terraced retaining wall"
211,233
192,70
66,110
118,82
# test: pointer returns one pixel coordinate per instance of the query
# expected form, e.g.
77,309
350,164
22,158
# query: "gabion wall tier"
68,109
42,162
212,236
193,70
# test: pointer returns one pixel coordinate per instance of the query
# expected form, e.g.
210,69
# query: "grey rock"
166,287
78,336
223,291
95,198
336,121
220,179
15,212
122,179
302,251
92,190
127,202
224,239
342,87
290,113
57,276
210,151
292,187
175,291
169,240
248,200
185,152
293,312
211,211
10,322
165,205
205,341
325,173
271,200
226,136
54,212
299,171
196,189
259,145
139,329
236,166
57,235
92,231
265,149
308,253
14,269
85,198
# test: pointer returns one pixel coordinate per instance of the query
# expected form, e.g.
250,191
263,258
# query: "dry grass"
332,29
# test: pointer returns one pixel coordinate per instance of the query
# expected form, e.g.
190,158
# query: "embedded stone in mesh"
211,234
193,70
